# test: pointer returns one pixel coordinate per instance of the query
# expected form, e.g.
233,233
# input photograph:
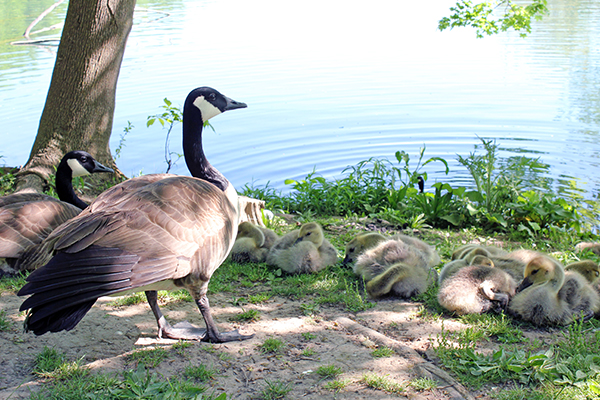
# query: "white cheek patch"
206,109
77,168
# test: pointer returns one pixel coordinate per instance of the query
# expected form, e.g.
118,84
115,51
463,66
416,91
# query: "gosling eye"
351,250
535,271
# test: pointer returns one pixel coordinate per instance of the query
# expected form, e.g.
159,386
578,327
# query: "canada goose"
26,219
395,267
537,299
304,250
172,233
462,251
477,288
252,243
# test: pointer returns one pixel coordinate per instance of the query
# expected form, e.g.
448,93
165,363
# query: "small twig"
40,17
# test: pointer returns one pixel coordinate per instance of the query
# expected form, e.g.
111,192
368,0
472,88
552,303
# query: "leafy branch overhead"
489,18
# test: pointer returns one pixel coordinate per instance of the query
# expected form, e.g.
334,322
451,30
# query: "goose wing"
28,220
170,229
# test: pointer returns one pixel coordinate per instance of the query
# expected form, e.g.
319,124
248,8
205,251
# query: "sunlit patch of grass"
129,300
383,352
53,365
247,316
308,352
337,385
259,298
423,383
379,382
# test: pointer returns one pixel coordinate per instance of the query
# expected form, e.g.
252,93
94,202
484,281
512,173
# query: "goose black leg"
185,330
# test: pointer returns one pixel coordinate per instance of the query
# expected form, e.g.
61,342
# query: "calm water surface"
329,84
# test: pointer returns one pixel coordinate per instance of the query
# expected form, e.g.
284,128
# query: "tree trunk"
78,114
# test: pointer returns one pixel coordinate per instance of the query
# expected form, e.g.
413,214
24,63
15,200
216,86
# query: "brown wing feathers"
162,231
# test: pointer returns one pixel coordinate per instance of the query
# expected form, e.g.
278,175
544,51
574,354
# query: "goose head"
543,270
202,104
588,268
359,244
80,163
249,230
481,260
311,232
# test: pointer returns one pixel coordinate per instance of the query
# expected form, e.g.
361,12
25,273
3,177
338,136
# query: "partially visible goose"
252,243
26,219
360,243
168,234
304,250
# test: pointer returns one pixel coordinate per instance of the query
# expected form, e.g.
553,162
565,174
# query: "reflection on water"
329,84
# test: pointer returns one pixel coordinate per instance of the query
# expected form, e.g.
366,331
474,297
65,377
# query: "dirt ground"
108,334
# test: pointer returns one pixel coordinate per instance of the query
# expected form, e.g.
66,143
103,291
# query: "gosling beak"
524,285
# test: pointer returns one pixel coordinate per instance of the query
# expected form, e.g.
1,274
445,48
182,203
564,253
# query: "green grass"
181,346
49,363
337,385
422,384
308,352
13,284
247,316
151,358
5,323
383,383
200,372
383,352
271,345
259,298
275,390
328,371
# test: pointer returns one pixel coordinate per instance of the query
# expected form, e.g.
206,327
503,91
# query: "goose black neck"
64,186
195,159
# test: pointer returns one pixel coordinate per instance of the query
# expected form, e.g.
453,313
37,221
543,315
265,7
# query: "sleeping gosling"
462,251
394,267
304,250
252,243
477,288
360,243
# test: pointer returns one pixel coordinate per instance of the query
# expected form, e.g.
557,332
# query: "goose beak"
232,104
101,168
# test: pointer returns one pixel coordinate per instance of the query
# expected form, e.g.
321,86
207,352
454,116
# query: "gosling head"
542,270
481,260
82,163
311,232
249,230
359,244
588,268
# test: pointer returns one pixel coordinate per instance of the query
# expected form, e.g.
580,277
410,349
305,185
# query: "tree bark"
78,114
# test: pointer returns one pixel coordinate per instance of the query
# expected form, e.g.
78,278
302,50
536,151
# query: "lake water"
331,83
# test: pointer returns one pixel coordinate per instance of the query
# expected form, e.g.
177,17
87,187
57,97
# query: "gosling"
303,251
252,243
395,268
477,288
539,298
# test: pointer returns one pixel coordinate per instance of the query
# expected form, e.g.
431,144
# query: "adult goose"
26,219
165,233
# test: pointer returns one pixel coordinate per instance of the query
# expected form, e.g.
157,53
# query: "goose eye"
351,250
212,97
83,159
